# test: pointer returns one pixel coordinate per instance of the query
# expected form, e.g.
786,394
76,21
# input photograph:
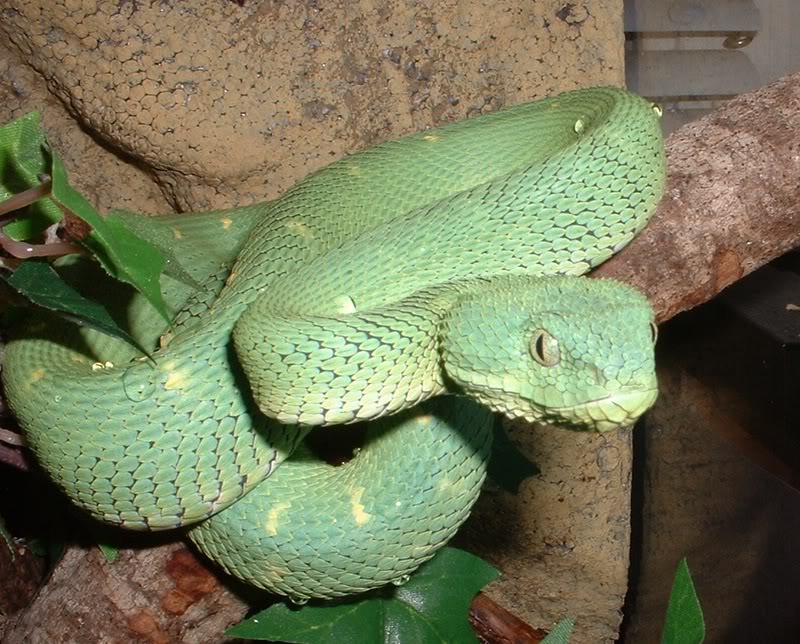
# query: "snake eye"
654,331
544,348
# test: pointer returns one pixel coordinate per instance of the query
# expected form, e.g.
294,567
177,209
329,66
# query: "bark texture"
156,595
732,204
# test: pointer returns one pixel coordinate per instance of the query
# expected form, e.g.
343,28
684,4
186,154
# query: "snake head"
566,351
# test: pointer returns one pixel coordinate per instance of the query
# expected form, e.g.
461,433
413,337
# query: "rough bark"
22,573
732,203
156,595
493,624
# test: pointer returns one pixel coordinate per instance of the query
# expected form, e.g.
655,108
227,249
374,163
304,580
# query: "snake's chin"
606,414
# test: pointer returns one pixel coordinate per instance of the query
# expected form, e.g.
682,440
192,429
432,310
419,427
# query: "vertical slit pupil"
540,346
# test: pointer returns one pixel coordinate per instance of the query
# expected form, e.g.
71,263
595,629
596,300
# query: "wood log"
732,202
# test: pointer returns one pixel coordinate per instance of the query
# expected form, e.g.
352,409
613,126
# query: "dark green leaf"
561,633
160,237
431,608
684,623
6,536
36,280
23,159
39,547
358,621
53,549
109,552
124,255
508,467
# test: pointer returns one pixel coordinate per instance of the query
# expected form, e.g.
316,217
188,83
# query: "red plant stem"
25,198
12,437
13,457
24,250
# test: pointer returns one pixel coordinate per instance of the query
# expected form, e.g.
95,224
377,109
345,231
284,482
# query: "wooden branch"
156,595
493,624
732,202
732,205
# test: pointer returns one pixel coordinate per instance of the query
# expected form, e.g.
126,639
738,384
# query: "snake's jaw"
616,411
613,412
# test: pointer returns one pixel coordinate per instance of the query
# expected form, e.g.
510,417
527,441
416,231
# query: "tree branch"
732,202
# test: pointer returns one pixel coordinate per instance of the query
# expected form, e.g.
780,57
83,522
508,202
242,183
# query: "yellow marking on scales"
177,234
432,138
176,378
226,223
274,515
444,484
36,375
344,305
357,507
231,278
299,228
275,574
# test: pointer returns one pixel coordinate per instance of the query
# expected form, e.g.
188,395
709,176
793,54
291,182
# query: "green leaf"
23,159
684,623
508,467
124,255
431,608
9,540
561,633
109,552
149,229
51,548
36,280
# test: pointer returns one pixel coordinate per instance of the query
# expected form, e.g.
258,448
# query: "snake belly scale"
443,263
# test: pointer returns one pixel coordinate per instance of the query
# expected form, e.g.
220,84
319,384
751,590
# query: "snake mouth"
618,410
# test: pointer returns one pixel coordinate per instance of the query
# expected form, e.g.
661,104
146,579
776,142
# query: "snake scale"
445,262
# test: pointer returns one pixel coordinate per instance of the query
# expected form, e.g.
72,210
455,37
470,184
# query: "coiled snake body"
442,263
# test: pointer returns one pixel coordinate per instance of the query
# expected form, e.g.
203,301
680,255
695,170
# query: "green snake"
420,285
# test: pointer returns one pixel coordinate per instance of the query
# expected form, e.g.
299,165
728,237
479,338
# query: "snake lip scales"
373,259
602,414
613,412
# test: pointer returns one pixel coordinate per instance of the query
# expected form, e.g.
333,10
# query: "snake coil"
446,262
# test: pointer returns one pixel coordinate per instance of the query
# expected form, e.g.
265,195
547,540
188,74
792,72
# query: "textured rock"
222,101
